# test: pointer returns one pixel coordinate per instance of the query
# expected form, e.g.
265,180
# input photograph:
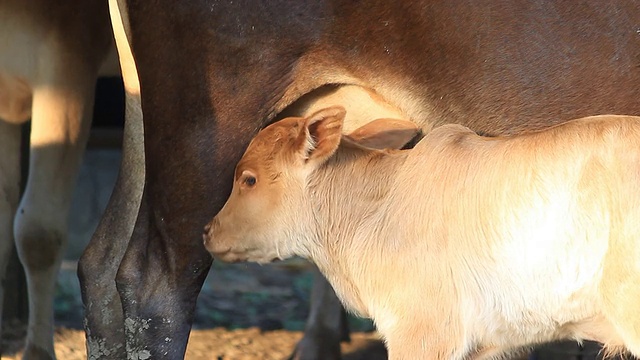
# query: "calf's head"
266,216
269,214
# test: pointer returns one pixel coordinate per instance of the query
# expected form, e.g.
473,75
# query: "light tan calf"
465,247
51,53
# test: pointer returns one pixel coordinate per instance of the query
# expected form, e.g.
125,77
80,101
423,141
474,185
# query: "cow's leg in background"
49,61
61,117
99,263
9,194
326,325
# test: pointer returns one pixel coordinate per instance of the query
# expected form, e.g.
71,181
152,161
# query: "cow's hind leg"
99,263
61,114
104,324
9,194
326,325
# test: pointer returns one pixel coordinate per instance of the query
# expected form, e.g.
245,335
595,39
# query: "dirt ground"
245,312
224,344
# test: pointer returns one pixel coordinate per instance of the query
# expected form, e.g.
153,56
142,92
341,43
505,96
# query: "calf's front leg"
326,325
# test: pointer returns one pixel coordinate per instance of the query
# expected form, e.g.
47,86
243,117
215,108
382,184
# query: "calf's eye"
250,180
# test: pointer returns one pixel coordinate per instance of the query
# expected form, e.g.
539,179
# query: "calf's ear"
384,134
321,134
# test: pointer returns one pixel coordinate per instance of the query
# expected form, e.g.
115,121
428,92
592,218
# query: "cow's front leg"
326,325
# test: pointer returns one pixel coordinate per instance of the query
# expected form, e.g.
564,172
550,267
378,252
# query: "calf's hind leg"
60,124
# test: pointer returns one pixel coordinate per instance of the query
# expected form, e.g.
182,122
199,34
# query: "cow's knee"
40,240
40,237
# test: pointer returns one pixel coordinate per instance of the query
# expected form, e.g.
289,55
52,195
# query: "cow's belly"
362,105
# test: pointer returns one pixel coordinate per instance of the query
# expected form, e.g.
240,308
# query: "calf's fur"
464,247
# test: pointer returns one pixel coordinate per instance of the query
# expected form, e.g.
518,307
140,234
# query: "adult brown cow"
212,73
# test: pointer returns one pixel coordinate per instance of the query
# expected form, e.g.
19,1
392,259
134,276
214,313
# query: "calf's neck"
464,247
